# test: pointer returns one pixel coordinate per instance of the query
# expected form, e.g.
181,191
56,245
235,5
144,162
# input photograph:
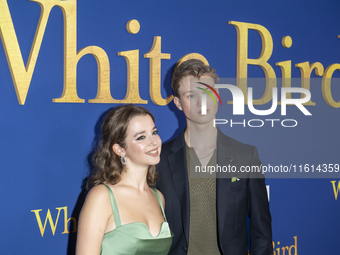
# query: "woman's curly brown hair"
107,164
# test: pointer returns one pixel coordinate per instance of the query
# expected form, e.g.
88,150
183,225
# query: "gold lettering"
49,218
155,55
336,190
306,71
67,220
326,85
287,41
293,246
71,59
243,61
132,62
22,75
278,249
284,250
103,90
133,26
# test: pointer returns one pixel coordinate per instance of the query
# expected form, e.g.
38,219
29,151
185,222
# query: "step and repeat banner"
64,64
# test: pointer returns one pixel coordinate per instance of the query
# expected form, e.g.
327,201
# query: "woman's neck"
134,177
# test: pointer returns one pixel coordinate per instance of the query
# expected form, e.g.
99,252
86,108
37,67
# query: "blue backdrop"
46,145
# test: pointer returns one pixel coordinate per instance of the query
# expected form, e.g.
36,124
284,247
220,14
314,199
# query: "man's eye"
155,132
141,137
191,96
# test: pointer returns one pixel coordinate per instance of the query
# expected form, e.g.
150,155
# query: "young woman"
121,213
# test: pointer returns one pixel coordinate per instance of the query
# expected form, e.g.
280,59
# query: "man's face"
190,100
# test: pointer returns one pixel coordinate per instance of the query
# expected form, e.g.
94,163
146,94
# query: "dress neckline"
117,219
139,223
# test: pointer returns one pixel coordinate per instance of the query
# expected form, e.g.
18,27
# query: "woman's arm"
93,221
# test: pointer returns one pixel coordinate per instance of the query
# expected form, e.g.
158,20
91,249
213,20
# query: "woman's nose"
153,140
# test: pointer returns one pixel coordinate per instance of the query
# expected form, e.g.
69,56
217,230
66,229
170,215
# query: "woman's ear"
118,150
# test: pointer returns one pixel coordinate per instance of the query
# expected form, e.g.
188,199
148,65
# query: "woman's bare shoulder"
98,195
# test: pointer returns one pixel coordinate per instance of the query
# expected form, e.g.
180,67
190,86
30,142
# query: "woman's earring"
123,159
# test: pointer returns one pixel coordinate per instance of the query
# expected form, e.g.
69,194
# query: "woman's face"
143,144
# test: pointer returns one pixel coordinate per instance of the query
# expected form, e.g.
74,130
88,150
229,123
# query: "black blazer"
235,200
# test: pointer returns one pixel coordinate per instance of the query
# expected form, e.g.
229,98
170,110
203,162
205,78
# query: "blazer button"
185,249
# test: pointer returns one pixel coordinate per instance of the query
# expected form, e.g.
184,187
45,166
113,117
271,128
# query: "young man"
209,215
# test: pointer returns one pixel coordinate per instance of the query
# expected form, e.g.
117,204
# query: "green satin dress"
135,238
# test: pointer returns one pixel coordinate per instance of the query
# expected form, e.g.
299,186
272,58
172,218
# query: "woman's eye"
141,137
191,96
155,132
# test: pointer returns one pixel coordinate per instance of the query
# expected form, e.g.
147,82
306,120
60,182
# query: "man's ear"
118,150
178,103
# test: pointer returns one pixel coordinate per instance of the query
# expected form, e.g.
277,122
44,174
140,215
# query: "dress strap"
159,201
114,206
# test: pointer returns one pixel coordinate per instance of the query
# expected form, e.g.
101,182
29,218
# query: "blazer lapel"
178,168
